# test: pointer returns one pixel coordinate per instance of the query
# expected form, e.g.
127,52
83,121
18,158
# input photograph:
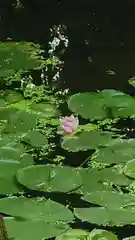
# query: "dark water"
101,52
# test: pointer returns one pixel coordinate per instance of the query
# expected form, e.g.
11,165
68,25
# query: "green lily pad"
8,170
105,104
106,216
21,122
35,139
44,109
97,234
35,209
74,234
6,113
119,152
12,96
86,140
109,199
33,230
16,56
48,178
129,168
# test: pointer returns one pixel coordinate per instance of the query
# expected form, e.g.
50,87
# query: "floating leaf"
26,159
102,180
9,154
16,56
35,139
97,234
33,230
119,152
105,104
129,168
44,109
8,170
49,178
131,81
12,96
106,217
2,103
88,105
86,140
74,234
21,105
21,122
6,113
35,209
92,180
11,140
129,238
109,199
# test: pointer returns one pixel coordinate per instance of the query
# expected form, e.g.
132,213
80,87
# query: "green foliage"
102,105
29,120
105,216
18,55
120,151
33,230
21,121
109,199
50,178
8,172
97,234
74,234
78,234
95,179
11,97
34,138
86,140
131,81
129,169
35,209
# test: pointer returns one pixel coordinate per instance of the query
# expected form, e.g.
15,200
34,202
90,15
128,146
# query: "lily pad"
36,208
33,230
44,109
119,152
21,122
105,104
49,178
109,199
105,216
86,140
35,139
74,234
129,168
8,170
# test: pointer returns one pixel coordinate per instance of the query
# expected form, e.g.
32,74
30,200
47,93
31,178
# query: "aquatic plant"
69,125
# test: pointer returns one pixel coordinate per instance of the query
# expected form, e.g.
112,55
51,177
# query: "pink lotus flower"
69,125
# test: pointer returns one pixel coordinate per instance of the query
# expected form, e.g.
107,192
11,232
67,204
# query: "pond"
68,177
